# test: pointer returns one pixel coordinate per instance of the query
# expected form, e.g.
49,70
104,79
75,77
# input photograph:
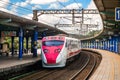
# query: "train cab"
51,49
56,50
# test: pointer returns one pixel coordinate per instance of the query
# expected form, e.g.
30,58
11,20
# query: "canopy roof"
10,22
107,12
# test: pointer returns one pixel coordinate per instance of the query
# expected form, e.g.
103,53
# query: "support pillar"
102,45
112,46
32,42
115,43
107,44
110,41
119,44
92,44
43,34
20,43
12,45
35,38
96,44
27,39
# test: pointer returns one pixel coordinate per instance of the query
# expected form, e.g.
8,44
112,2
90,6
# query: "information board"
117,14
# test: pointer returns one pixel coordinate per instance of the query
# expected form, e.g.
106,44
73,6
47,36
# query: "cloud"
46,1
28,16
5,10
95,18
36,7
19,6
3,6
54,6
4,3
14,7
74,6
92,5
23,4
58,18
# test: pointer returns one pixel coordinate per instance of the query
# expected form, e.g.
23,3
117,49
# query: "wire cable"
21,8
77,3
13,12
16,5
61,4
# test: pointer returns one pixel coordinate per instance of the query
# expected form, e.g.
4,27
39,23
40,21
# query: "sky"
24,8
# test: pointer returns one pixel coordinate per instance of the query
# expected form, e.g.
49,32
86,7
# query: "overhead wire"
77,3
15,12
40,19
20,8
28,3
64,6
46,22
27,9
61,3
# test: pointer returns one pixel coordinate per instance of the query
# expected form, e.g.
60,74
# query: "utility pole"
35,16
73,17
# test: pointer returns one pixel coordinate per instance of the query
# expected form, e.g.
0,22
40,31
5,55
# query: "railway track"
79,69
85,71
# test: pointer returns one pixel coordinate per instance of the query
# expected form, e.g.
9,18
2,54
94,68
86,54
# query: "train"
56,50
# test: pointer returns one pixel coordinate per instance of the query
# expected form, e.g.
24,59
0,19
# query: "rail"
79,69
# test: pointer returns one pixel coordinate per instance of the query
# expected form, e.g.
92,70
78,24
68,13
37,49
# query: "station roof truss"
106,9
75,23
10,22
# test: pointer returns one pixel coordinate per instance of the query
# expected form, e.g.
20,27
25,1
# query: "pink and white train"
57,49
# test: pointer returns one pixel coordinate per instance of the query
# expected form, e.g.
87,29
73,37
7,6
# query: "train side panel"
73,47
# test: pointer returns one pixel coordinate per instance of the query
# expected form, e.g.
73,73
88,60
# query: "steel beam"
67,11
5,20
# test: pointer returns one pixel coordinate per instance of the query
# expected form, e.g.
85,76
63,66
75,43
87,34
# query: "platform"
109,68
10,62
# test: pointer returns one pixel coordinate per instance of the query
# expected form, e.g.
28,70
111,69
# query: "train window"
53,43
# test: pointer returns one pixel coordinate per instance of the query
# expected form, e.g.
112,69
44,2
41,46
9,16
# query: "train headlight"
57,50
45,50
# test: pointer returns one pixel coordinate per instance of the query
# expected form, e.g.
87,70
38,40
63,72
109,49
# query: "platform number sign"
117,14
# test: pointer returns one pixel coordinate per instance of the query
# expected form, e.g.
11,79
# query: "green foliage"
90,34
16,42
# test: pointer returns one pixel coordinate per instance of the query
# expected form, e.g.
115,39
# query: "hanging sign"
117,14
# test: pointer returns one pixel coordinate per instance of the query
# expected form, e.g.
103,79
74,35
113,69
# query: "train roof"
71,38
61,36
53,38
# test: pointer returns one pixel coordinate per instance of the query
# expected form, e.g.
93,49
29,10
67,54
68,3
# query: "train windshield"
53,43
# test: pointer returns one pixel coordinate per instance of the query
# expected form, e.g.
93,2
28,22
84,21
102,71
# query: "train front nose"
51,58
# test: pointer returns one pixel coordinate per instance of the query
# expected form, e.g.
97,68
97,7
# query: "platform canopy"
10,22
107,12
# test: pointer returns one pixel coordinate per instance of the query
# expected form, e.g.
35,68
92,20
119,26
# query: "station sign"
8,33
117,14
